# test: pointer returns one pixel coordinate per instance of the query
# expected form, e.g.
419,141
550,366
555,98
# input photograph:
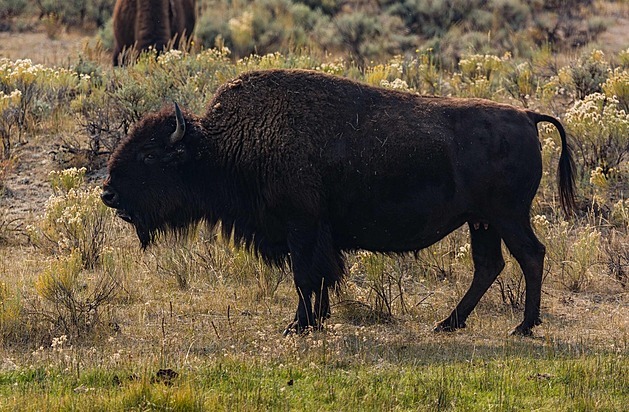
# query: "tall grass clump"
479,75
206,257
11,313
72,297
377,281
9,112
422,73
227,263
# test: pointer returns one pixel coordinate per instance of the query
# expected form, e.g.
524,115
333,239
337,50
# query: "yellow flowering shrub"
617,86
479,75
600,129
74,219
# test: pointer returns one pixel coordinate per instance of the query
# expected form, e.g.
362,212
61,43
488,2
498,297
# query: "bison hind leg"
529,252
488,263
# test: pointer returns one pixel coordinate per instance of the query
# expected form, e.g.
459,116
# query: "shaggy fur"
302,166
140,24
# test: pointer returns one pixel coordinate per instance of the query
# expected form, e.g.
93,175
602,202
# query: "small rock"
8,365
82,389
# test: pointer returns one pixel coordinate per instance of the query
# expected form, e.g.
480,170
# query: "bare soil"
41,49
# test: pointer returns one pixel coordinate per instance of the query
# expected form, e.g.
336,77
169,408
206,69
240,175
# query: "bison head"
149,173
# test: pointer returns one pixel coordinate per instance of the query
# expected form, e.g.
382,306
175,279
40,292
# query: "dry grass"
216,317
223,338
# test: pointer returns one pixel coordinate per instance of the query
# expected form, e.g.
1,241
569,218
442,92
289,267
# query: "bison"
301,167
140,24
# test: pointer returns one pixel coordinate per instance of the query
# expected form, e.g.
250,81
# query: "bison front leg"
488,263
316,267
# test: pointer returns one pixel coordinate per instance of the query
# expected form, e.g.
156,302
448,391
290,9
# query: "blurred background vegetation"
358,30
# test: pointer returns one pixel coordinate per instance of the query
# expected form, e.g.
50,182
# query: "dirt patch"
37,46
616,37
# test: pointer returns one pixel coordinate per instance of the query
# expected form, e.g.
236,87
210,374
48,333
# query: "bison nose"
110,197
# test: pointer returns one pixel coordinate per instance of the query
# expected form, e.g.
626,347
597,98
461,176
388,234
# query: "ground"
40,48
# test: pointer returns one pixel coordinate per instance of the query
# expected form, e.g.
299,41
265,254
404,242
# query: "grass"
223,338
513,377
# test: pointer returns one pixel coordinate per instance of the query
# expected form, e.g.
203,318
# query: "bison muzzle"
302,167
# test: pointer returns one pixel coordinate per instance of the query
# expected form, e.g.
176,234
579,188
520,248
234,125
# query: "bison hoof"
525,329
521,331
448,326
294,328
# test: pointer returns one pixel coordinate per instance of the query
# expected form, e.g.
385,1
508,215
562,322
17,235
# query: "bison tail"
565,172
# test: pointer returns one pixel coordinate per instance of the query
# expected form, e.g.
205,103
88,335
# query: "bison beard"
302,167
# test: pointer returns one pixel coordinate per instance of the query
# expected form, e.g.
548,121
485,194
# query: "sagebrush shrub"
600,130
479,75
41,91
78,12
589,74
617,86
113,105
11,8
74,220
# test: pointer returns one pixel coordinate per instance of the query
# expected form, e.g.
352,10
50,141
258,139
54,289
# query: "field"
90,321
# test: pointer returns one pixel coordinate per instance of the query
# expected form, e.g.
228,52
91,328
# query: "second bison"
140,24
301,167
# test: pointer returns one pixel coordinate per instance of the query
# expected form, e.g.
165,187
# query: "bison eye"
150,158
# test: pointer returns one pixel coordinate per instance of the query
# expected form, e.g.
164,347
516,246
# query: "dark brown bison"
301,167
140,24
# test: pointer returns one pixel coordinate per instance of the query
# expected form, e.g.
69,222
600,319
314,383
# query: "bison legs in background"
488,263
316,267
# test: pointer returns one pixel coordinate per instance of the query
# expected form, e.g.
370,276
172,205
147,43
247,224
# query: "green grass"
504,382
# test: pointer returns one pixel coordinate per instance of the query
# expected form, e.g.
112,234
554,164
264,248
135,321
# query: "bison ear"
181,126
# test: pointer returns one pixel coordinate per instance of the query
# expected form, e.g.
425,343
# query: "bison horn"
181,126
